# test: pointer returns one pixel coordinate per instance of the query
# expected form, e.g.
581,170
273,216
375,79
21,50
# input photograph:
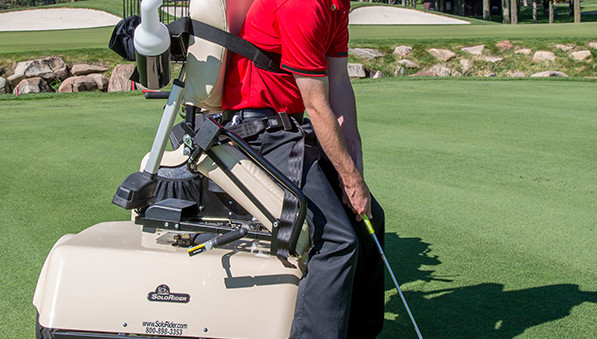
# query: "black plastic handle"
157,94
229,237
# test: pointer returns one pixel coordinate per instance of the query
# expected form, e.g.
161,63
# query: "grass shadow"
484,310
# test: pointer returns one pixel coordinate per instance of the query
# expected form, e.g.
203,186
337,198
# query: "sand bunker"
55,18
386,15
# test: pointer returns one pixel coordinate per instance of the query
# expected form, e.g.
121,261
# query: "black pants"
342,292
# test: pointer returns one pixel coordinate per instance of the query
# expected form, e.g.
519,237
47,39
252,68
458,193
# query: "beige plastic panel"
99,280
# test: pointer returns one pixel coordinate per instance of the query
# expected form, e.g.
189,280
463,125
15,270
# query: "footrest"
172,210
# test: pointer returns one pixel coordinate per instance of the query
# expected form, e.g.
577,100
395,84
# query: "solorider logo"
162,293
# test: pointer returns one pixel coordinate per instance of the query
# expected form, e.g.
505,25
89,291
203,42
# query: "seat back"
206,61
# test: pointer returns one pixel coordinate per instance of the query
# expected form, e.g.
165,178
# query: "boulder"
48,68
492,59
403,50
378,74
466,65
581,55
356,71
592,44
81,83
423,74
101,80
408,63
399,71
442,54
4,86
546,74
525,51
515,74
84,69
474,50
120,79
441,70
544,56
564,48
32,85
506,45
365,53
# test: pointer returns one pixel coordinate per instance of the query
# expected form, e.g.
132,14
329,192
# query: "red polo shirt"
304,32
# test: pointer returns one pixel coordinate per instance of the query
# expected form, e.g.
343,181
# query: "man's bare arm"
315,93
342,102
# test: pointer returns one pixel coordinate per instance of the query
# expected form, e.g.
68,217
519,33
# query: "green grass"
489,190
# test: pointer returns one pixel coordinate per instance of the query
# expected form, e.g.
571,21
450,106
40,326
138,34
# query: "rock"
489,75
408,63
399,71
466,65
84,69
356,71
515,74
48,68
403,50
4,86
32,85
120,78
442,54
581,55
378,75
592,44
441,70
474,50
365,53
546,74
101,80
544,56
81,83
506,44
565,48
525,51
492,59
423,74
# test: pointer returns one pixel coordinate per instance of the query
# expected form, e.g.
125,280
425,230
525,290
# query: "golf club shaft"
385,261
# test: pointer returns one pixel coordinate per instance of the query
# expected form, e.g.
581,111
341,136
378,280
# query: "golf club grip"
229,237
156,95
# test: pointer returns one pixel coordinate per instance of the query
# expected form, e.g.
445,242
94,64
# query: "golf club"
385,260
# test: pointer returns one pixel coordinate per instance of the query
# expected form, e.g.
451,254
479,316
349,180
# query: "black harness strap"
285,230
265,60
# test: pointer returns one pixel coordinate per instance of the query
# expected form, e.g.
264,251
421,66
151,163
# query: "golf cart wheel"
42,332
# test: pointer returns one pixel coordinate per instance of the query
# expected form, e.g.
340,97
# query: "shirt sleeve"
304,35
339,45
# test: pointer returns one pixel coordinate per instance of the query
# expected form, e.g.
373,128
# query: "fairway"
489,189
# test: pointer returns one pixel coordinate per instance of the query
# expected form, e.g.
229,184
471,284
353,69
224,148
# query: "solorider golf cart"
198,259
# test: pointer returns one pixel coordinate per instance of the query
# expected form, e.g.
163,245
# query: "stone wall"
52,74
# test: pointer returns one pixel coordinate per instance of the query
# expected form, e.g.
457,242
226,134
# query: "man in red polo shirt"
312,38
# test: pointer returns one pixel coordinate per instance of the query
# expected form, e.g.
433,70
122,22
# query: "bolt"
166,224
187,140
205,329
186,151
176,226
124,324
276,224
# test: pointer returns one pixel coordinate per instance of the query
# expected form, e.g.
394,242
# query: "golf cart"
198,262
